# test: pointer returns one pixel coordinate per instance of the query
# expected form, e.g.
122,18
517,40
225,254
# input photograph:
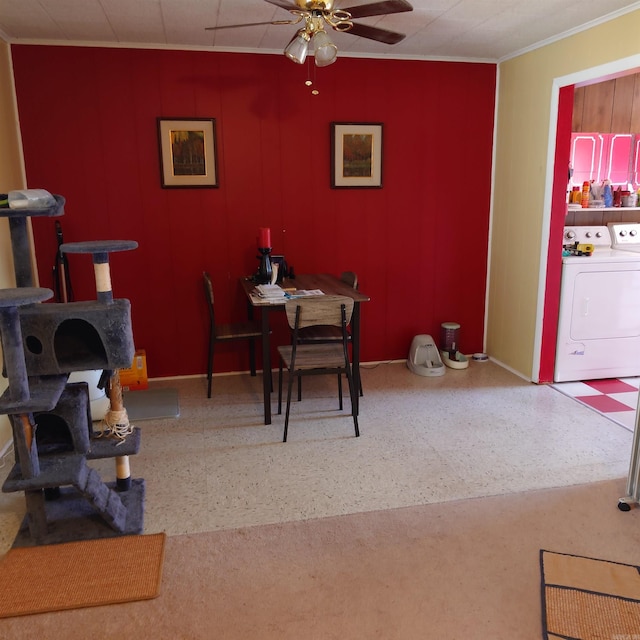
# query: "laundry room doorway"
564,93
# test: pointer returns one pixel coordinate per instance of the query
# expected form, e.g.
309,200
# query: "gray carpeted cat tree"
53,435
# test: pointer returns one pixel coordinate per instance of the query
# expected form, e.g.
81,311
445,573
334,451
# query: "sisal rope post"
116,422
102,274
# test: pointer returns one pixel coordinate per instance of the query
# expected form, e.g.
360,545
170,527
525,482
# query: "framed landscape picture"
356,155
188,152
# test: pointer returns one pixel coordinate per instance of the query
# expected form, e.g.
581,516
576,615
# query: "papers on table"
267,294
269,291
305,293
274,294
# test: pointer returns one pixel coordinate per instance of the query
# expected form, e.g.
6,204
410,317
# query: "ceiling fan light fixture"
297,49
324,51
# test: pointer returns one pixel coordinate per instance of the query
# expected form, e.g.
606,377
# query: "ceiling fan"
317,14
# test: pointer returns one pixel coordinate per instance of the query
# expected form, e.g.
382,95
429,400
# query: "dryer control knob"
623,233
598,234
570,235
633,232
588,234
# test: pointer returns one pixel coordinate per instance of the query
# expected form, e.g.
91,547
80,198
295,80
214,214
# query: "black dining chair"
320,334
249,331
317,358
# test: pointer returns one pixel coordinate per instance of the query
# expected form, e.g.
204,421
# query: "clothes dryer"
599,319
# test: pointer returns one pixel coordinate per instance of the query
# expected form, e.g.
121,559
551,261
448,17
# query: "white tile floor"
474,432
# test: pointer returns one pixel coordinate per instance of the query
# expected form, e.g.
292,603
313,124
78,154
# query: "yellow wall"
522,188
11,177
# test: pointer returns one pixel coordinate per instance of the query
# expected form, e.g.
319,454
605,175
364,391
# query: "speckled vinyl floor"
475,432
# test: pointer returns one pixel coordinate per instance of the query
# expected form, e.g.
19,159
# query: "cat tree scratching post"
51,418
116,419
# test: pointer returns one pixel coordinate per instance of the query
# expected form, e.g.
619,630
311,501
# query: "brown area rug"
589,599
87,573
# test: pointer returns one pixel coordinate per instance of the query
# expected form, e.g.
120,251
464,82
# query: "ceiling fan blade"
247,24
381,8
375,33
283,3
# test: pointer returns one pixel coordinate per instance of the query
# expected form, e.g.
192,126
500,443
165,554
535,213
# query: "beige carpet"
589,599
465,570
87,573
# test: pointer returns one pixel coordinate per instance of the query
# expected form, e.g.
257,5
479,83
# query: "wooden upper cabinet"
598,106
578,106
612,106
635,107
605,144
622,104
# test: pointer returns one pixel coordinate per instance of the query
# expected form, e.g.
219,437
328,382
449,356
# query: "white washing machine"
599,320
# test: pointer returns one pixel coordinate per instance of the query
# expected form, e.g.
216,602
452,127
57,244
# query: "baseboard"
363,365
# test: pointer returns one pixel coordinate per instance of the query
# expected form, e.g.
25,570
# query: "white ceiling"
488,30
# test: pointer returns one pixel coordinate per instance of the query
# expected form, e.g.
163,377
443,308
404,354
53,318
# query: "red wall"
556,237
419,244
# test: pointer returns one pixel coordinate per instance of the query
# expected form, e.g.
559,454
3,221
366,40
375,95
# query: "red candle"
264,238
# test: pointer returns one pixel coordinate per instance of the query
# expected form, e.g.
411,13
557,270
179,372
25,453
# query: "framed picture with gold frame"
356,155
187,152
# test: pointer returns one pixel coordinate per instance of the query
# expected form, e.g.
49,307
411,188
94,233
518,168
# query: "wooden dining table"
329,285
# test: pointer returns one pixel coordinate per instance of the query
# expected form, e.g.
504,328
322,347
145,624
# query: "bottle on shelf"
575,195
617,197
586,189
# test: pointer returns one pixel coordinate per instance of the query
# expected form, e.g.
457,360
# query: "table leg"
355,365
266,366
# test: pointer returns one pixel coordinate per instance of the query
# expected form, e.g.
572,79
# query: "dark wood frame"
169,180
338,179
